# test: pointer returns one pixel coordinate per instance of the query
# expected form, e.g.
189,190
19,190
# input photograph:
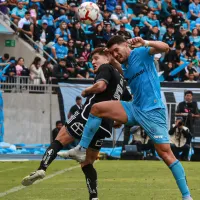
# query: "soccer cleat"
78,153
34,176
95,199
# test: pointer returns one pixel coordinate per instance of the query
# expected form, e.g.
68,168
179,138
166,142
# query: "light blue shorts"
153,122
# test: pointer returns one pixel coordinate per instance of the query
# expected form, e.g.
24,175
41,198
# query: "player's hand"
84,94
117,125
136,42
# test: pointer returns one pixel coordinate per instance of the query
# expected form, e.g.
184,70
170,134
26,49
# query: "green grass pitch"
118,180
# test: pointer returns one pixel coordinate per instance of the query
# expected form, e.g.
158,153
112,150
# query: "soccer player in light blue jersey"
147,108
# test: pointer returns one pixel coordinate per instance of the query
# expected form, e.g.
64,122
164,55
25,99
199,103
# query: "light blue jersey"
147,108
143,79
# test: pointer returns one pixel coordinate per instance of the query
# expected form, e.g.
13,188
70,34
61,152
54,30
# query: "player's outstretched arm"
155,46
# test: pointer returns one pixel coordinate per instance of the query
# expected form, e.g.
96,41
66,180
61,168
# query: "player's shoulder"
106,66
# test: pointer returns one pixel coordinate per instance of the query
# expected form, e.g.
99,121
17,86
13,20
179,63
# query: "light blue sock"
90,129
179,174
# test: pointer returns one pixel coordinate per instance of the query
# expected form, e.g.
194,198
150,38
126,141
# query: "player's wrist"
146,43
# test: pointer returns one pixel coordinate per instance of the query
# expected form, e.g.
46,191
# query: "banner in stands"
170,95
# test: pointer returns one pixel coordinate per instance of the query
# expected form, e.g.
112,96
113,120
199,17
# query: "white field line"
18,188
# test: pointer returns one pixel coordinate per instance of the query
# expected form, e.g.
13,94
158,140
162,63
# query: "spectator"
194,10
148,22
56,130
190,69
71,64
4,9
87,51
61,4
122,32
167,6
19,66
49,4
153,34
127,133
34,13
75,107
47,69
136,31
18,12
140,7
4,58
106,19
63,32
169,37
44,35
49,18
60,72
182,37
78,35
110,5
155,6
11,70
118,18
168,22
102,4
191,53
25,2
183,5
82,68
36,73
191,79
25,27
59,51
188,109
182,49
97,38
62,18
195,38
180,137
39,4
178,19
70,45
108,33
168,67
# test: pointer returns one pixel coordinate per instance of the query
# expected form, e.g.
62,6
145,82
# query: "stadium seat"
131,1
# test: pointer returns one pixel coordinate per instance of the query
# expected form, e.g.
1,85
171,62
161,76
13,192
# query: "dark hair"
189,92
36,61
71,51
61,60
117,39
27,13
58,122
20,59
6,56
78,98
46,63
98,50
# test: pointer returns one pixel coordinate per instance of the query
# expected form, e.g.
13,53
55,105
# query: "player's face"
98,60
120,52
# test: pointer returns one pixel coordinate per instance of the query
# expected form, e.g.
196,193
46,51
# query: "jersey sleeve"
144,52
105,74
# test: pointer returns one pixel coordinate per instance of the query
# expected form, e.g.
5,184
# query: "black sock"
50,154
91,180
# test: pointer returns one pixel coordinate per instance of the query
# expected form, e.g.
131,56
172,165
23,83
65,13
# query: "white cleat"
95,199
77,153
34,176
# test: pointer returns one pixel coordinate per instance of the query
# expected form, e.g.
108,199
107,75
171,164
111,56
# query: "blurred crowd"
54,26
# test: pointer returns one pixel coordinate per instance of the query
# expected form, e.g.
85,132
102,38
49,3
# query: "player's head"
99,58
119,48
188,96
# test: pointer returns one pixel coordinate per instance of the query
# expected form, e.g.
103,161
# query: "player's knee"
164,153
95,110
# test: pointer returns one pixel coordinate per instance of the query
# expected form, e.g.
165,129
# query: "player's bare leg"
107,109
165,152
63,138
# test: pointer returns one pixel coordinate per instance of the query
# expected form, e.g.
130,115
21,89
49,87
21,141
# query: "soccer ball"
88,12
